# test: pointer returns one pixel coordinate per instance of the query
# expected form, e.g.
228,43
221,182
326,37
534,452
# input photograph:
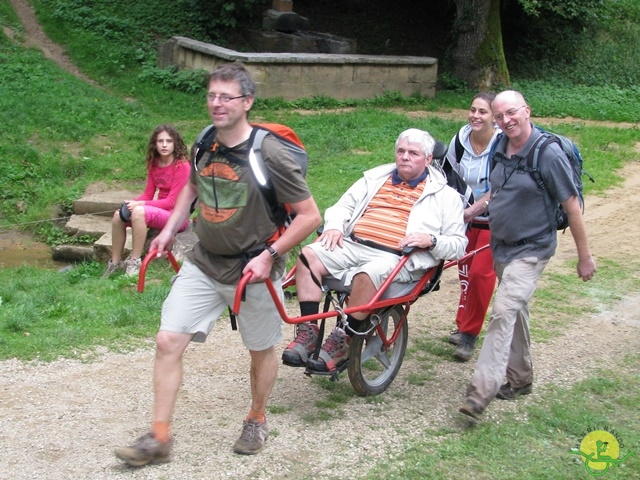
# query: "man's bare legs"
362,289
167,372
264,370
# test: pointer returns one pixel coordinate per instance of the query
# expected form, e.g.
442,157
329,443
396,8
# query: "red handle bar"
145,263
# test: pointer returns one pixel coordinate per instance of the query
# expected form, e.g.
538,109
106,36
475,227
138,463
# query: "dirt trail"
35,37
63,419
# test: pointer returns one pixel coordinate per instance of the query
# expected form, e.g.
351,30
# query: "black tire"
371,367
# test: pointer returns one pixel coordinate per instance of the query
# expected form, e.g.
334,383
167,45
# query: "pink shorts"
157,218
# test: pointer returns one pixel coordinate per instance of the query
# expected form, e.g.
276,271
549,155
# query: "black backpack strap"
203,143
458,148
492,151
534,154
534,170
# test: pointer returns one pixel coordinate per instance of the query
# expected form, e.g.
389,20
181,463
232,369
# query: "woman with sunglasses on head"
468,154
167,172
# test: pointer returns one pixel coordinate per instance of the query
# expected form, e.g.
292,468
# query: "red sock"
259,417
161,431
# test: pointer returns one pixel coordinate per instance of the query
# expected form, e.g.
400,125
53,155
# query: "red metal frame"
374,304
289,281
145,263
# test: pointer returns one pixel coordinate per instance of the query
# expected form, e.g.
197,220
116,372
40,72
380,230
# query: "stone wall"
298,75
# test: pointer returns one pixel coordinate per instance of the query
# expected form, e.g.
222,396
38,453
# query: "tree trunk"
478,56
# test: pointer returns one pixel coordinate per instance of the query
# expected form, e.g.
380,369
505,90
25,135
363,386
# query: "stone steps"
92,217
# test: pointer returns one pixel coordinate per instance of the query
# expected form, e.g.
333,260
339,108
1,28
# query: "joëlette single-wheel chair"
377,349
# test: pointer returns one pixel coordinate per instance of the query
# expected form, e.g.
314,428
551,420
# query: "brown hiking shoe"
146,449
252,438
298,352
471,409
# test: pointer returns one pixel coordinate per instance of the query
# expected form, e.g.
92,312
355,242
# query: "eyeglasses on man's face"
509,113
223,98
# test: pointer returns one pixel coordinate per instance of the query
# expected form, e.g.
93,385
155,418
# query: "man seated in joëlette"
403,204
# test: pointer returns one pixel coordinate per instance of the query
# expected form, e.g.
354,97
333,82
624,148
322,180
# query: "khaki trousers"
506,345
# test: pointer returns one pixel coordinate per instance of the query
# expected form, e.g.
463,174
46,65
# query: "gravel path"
63,419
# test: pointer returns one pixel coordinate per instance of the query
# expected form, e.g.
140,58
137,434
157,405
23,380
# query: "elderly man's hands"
417,240
330,239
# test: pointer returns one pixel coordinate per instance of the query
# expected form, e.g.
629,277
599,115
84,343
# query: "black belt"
481,226
377,246
523,241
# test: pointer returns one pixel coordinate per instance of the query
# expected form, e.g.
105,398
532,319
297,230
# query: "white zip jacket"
438,211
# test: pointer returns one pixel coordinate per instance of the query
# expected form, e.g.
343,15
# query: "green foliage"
446,81
578,42
59,133
582,10
137,27
53,235
9,18
561,99
583,41
189,81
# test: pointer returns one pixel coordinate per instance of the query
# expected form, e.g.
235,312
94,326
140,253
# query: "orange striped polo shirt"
385,219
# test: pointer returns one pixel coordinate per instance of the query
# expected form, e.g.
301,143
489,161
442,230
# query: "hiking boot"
333,354
298,351
466,347
132,266
455,337
252,438
112,268
471,409
507,392
145,450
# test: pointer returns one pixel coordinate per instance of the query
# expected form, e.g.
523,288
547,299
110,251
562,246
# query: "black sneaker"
471,409
455,337
507,392
466,347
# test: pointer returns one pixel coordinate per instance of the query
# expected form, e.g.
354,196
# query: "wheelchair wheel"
372,367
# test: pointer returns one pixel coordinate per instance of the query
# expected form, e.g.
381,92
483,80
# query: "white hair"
420,137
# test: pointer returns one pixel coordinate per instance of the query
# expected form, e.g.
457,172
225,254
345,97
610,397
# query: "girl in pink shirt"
167,172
